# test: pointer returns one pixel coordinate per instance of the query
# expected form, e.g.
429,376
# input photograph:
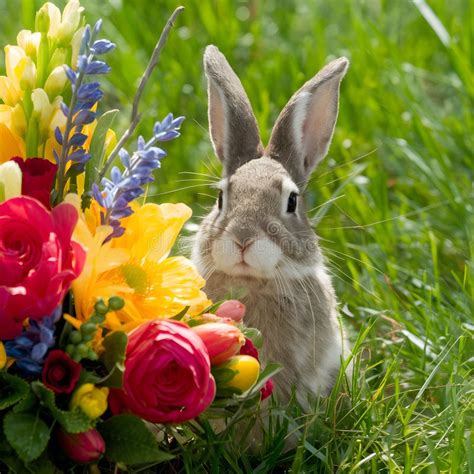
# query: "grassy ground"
393,204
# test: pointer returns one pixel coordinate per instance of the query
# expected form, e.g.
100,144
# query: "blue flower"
125,186
31,347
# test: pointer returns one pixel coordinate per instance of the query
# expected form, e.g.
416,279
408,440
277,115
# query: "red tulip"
83,448
231,309
222,340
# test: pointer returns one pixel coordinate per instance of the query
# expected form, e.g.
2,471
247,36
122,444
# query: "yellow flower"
10,180
246,371
11,144
140,270
35,79
3,356
90,399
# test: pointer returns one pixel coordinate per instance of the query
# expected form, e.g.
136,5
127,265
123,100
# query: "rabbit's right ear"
233,127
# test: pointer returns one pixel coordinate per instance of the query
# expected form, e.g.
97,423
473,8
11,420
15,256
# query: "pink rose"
38,260
167,375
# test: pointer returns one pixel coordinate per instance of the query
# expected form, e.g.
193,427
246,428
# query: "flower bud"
18,120
70,21
26,71
222,340
82,448
42,19
249,349
29,42
232,309
238,373
266,390
55,82
10,184
91,400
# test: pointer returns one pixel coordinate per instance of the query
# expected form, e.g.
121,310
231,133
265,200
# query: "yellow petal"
11,145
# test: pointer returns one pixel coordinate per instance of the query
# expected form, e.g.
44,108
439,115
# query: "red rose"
38,260
60,372
249,349
37,178
167,375
84,447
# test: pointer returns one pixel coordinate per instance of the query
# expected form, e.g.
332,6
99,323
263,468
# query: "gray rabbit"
257,237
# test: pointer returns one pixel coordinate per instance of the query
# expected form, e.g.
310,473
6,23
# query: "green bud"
116,303
42,20
70,348
82,349
87,337
75,337
92,355
100,307
76,357
88,328
97,319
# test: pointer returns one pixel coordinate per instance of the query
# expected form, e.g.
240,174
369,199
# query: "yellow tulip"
90,399
10,180
246,371
3,356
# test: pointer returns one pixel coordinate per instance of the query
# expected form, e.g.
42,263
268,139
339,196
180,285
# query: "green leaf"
115,345
28,403
129,441
97,147
28,434
73,421
181,314
12,390
254,335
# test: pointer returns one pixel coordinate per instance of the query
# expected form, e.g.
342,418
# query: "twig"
135,117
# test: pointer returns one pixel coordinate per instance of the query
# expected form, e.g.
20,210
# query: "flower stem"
135,116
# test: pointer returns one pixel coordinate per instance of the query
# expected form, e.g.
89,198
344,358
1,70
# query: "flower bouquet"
109,348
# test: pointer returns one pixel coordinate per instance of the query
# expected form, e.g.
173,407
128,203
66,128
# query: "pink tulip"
81,447
232,309
222,340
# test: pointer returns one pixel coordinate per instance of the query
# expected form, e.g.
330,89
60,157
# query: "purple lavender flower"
125,186
30,348
79,113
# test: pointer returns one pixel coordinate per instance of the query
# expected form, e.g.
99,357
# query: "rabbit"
257,238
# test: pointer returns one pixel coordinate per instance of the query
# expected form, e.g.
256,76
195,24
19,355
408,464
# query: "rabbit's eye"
219,200
292,200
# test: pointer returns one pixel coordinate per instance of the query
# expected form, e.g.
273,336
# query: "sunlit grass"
392,203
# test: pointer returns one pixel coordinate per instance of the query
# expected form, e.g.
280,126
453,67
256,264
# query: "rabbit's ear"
233,127
303,131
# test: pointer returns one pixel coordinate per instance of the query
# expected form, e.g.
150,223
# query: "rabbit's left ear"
303,131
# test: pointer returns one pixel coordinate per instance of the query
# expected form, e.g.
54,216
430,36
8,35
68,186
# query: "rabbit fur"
254,243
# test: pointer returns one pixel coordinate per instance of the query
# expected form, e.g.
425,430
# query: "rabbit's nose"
244,245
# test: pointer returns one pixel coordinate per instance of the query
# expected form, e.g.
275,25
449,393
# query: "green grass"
393,204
